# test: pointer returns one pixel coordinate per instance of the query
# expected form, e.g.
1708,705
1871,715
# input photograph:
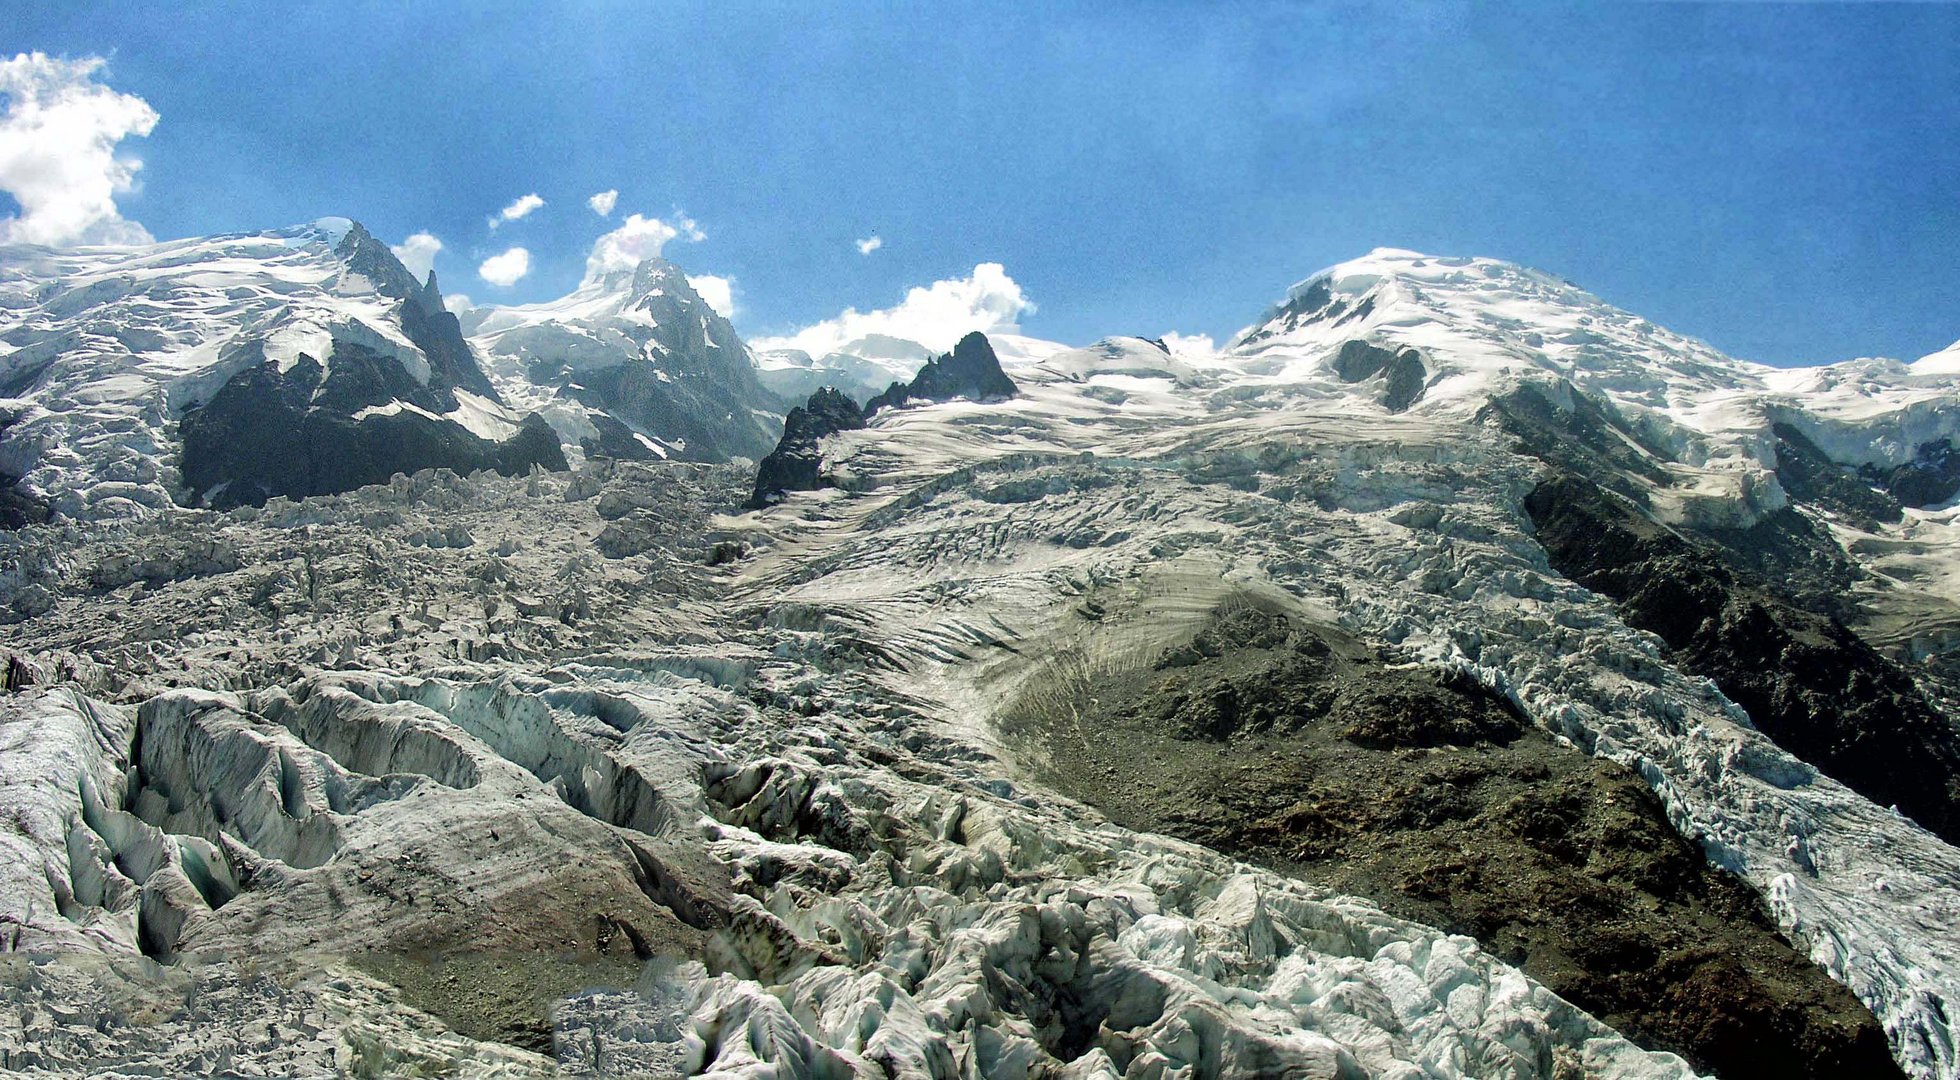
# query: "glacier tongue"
871,920
862,888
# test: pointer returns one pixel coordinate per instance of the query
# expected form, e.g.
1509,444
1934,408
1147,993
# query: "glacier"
365,777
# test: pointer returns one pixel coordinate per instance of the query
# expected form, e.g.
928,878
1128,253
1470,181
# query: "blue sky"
1783,182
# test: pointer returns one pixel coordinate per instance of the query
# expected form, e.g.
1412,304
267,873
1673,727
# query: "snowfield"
110,345
600,732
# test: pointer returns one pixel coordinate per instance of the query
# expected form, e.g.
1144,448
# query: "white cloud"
602,204
719,292
636,240
518,209
457,302
1190,347
418,253
935,315
58,135
507,268
870,244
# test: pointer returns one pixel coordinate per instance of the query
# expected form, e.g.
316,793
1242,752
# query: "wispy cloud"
505,269
935,315
602,204
870,244
521,208
638,238
418,253
58,134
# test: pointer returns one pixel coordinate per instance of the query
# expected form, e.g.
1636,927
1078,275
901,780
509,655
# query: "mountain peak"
970,371
376,261
1483,323
638,280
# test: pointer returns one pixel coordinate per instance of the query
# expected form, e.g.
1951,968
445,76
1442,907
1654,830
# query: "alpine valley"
1452,676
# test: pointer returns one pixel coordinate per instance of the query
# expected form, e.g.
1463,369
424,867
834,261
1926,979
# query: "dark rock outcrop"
356,416
1807,475
1402,371
1316,303
1932,477
1300,748
425,321
797,462
1806,680
1589,437
970,371
302,432
615,441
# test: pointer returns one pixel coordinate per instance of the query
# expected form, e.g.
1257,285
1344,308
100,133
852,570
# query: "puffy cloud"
1190,347
935,315
719,292
418,253
507,268
457,302
518,209
637,239
602,204
58,134
870,244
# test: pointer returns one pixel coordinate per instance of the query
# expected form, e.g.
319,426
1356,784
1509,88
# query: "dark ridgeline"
308,430
971,372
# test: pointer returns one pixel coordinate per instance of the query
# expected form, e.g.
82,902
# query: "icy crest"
105,348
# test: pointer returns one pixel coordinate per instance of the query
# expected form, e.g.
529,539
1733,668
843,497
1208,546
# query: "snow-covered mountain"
1483,330
224,370
1453,676
227,369
633,364
866,366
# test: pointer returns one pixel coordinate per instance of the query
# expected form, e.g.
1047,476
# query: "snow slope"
1485,328
641,347
102,350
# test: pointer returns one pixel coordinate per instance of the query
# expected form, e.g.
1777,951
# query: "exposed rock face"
358,415
970,371
289,362
616,441
1931,478
797,462
424,319
1301,748
1311,304
1810,476
1401,371
1584,436
317,429
1806,680
640,350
